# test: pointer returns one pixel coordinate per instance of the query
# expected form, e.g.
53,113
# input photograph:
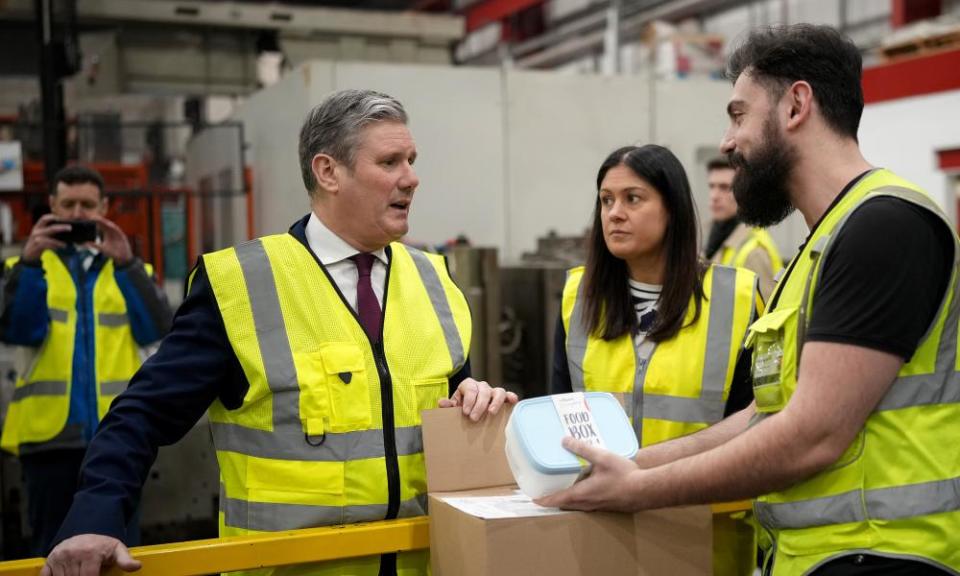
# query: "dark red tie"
367,306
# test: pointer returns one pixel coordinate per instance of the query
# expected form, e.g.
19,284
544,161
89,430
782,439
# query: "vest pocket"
267,475
427,393
345,380
766,337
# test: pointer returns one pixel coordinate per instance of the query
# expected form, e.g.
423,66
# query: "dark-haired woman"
645,317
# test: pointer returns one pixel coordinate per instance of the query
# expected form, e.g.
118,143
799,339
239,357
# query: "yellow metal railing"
279,549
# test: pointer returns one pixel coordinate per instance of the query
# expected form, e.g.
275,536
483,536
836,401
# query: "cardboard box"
465,459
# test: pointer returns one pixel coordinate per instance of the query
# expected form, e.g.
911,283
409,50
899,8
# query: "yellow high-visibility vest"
309,446
678,386
896,490
37,415
758,238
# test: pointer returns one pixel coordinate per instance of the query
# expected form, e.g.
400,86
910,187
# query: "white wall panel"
213,154
816,11
272,120
560,129
905,135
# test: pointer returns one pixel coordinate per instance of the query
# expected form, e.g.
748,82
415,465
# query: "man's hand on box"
477,398
606,486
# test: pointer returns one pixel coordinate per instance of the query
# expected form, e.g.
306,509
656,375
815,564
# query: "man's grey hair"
333,127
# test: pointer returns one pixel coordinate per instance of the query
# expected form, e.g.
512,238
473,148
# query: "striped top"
645,297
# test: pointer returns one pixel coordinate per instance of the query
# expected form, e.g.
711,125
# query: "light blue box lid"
537,426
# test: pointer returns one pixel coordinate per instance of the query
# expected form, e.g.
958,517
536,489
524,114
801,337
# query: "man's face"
723,206
378,191
77,202
760,154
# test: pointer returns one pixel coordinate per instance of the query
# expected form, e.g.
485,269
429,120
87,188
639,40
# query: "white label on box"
514,506
577,419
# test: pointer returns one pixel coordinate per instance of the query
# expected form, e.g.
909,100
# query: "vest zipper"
386,390
389,432
386,407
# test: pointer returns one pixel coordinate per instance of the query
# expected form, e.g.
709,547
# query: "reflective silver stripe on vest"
113,388
917,390
70,437
921,390
271,336
679,409
40,388
643,352
577,341
328,448
441,306
112,319
58,315
269,517
716,363
855,506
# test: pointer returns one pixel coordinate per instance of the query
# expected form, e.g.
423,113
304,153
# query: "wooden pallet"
922,45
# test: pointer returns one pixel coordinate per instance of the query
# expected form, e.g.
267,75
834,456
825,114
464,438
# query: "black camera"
81,231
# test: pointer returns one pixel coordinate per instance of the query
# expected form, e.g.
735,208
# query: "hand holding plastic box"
540,464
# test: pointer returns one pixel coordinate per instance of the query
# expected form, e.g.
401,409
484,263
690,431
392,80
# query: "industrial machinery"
532,292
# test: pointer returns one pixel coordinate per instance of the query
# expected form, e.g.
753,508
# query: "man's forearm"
685,446
839,386
772,455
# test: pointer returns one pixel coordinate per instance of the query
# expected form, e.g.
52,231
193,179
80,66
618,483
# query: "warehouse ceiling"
415,5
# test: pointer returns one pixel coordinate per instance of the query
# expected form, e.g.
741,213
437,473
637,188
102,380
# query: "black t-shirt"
867,565
883,278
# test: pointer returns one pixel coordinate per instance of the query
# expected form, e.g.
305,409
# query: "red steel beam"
937,72
486,11
907,11
949,159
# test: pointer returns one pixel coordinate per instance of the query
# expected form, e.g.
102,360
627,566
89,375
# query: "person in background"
852,447
315,352
647,319
731,242
81,312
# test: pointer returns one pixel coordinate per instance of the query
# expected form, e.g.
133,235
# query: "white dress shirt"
334,253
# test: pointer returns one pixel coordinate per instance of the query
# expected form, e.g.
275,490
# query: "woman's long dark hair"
609,311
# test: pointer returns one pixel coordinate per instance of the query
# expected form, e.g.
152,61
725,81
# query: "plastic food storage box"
540,464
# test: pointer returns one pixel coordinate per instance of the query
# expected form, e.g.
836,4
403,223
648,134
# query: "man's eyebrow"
732,105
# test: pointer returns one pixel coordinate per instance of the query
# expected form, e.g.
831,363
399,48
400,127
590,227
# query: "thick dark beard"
760,184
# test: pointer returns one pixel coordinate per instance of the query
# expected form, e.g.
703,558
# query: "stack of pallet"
923,38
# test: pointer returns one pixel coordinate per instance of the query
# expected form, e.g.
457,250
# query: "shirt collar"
330,248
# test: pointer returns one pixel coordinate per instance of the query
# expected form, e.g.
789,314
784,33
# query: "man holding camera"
81,306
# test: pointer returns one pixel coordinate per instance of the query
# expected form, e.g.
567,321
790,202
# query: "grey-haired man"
314,351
